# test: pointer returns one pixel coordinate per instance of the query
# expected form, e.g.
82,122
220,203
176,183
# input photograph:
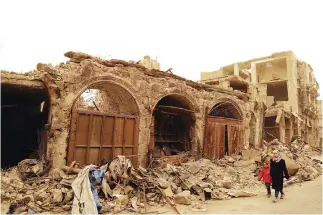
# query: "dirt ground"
304,198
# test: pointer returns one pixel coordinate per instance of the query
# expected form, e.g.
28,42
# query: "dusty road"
305,198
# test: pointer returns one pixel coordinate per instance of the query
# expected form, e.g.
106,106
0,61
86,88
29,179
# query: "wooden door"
233,138
209,143
220,140
96,136
214,144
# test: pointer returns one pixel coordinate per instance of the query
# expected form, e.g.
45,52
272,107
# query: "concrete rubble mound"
303,162
118,186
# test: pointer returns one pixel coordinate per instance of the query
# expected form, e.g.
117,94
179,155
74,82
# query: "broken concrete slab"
168,192
122,200
183,198
57,195
241,193
163,183
290,164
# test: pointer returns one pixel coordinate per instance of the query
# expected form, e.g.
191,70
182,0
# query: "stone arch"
184,97
172,124
228,108
115,129
109,80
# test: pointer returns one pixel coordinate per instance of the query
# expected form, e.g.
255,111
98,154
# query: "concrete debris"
297,159
217,195
121,187
183,198
227,184
168,192
163,183
198,208
32,168
241,193
57,195
122,200
292,167
5,205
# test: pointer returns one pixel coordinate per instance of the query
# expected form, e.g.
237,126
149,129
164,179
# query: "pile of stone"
33,196
131,190
117,186
303,162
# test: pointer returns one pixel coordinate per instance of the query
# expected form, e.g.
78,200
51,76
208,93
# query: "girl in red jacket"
264,175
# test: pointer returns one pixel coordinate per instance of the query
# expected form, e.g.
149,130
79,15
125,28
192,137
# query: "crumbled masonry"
187,183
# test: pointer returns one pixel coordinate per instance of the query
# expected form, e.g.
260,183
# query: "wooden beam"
22,83
174,108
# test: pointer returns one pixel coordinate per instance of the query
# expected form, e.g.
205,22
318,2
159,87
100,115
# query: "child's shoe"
268,195
282,196
275,200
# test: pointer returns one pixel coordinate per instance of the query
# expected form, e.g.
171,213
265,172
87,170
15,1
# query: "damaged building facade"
286,91
89,110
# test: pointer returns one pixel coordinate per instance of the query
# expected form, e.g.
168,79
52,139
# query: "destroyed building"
286,89
89,110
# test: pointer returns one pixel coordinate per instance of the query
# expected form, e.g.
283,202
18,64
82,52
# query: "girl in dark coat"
277,172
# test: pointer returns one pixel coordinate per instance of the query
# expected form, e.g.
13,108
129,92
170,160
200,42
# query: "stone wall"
80,73
67,81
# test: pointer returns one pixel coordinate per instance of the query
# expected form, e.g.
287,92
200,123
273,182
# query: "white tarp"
83,202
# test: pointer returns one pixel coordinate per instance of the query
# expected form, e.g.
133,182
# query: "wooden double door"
223,137
96,136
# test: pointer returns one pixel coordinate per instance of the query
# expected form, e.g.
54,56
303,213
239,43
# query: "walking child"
278,171
264,175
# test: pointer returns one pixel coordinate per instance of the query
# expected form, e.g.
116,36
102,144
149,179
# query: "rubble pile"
303,162
23,191
117,186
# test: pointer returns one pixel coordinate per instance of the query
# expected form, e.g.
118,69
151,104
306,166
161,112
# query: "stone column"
236,69
282,128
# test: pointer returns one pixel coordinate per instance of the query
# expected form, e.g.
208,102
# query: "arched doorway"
104,124
223,130
171,126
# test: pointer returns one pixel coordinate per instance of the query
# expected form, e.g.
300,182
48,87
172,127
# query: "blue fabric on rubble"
96,177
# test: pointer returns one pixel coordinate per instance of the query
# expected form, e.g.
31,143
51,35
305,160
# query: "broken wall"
212,75
272,70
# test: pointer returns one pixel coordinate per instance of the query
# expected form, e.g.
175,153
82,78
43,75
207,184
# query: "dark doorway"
226,140
171,126
24,115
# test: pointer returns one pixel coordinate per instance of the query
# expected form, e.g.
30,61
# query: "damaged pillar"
281,121
254,73
259,126
236,69
291,129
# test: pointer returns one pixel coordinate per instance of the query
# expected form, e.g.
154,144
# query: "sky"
188,36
